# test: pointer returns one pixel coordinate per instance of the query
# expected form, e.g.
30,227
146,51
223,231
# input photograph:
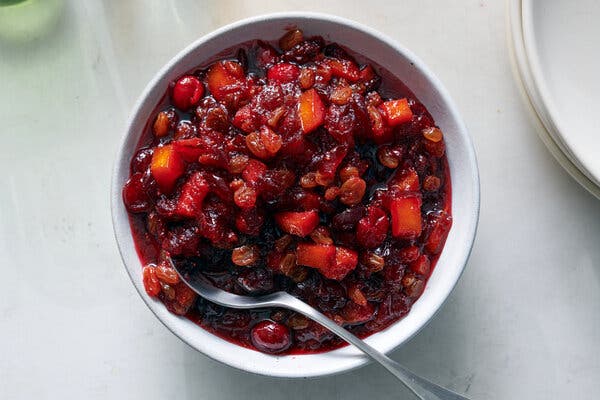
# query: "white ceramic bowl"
463,169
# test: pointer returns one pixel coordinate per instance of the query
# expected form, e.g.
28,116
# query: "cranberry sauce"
297,166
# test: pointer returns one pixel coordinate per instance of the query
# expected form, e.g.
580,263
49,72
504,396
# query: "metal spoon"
421,387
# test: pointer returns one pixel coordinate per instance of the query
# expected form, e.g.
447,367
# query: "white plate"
562,39
529,92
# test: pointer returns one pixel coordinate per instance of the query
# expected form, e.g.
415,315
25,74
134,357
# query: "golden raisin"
376,121
288,263
168,291
306,78
431,183
244,197
276,116
256,146
166,273
291,39
283,242
433,134
308,180
238,163
374,262
387,158
297,321
299,274
323,180
321,235
271,140
348,172
356,295
245,255
331,193
340,95
352,191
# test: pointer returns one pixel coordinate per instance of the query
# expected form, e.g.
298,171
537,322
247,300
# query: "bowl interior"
463,170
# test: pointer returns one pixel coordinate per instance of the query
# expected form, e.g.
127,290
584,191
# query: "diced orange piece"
344,69
193,192
225,77
311,110
166,167
396,112
406,217
320,256
297,223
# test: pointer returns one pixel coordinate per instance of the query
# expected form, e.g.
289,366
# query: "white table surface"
523,323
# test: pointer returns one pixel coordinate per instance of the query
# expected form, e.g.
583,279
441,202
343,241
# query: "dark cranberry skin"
141,160
134,196
187,92
271,337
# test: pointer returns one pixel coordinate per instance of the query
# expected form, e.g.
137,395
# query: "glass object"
24,20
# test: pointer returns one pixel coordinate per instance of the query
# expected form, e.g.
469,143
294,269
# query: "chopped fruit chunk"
406,217
165,120
407,180
254,171
225,77
345,261
421,265
442,223
151,283
283,73
311,110
193,192
187,92
298,223
246,119
372,230
189,149
344,69
166,167
396,112
320,256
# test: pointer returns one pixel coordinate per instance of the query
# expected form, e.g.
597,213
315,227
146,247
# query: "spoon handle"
424,389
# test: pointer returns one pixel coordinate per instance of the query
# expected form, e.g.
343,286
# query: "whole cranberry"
270,337
187,92
134,196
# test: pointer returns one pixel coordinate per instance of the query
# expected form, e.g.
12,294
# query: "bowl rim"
357,359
